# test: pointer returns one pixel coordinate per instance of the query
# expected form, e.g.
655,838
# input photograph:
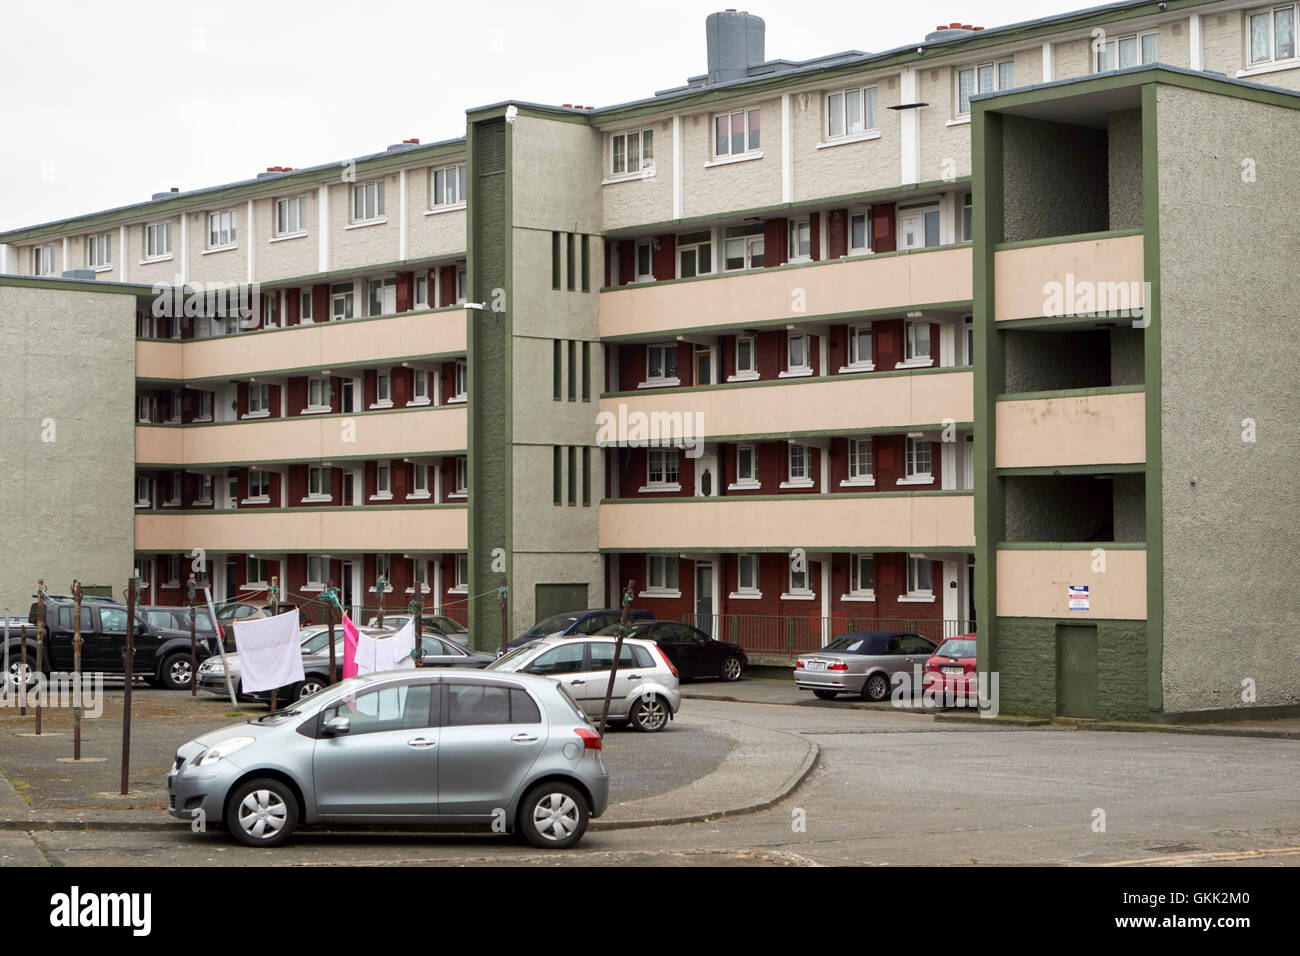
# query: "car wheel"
553,816
17,674
876,687
731,668
825,694
176,672
649,714
262,813
311,685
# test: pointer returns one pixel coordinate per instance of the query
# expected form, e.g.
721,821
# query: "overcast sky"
106,103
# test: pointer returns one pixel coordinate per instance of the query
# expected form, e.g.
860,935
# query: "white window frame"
915,332
205,491
856,591
644,250
858,477
1270,13
804,368
912,473
257,570
42,260
306,307
222,229
460,382
319,477
145,483
99,251
797,226
746,481
751,149
259,401
798,466
324,394
462,476
1107,58
419,576
462,285
383,388
662,576
384,569
620,160
321,566
368,201
915,563
697,246
865,247
421,292
381,296
750,372
977,87
461,585
206,401
752,245
858,362
419,481
663,470
837,101
342,300
291,216
259,486
799,584
158,241
383,481
664,350
419,387
172,574
447,186
750,590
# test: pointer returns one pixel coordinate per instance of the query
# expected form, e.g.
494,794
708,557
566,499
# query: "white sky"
106,103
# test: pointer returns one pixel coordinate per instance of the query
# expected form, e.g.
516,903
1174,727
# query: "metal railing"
315,613
787,636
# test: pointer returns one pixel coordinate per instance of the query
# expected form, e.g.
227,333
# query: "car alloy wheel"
731,669
310,686
16,674
876,687
650,714
177,672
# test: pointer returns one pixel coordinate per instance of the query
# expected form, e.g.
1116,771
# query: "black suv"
162,655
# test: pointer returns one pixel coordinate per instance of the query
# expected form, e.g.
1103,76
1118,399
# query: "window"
462,285
172,571
144,491
174,488
99,250
918,226
1272,35
259,399
341,301
747,573
419,574
462,572
1122,52
916,342
381,298
318,482
800,239
419,481
859,233
797,353
800,463
661,363
305,305
420,387
919,583
383,571
918,458
317,570
461,384
661,573
290,216
383,482
850,112
662,468
985,78
383,388
631,152
860,459
746,466
421,291
967,232
404,707
43,261
205,491
746,357
447,185
736,134
367,201
112,619
221,229
271,310
694,254
257,570
259,483
860,345
205,407
743,248
158,240
862,575
462,475
565,659
319,393
799,580
644,261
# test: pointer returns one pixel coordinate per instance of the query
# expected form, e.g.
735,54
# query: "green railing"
787,636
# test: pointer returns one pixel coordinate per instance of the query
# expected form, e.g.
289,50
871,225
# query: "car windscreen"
555,624
516,658
857,644
958,648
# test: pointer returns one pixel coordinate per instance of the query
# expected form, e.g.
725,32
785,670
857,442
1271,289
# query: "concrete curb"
1116,726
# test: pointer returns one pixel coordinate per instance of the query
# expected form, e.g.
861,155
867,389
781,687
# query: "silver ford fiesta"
512,751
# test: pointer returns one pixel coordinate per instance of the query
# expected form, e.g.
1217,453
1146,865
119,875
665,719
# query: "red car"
950,671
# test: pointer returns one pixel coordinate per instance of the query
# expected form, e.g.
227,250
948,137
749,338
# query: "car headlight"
225,749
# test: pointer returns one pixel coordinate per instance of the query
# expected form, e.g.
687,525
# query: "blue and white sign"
1079,598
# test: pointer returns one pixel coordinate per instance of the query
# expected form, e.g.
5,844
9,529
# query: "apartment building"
823,282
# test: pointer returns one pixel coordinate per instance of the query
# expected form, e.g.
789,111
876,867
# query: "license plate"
817,665
954,671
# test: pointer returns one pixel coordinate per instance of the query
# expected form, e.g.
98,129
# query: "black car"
576,624
691,651
177,619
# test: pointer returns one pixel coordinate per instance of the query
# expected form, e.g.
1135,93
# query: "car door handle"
578,681
421,742
633,676
523,739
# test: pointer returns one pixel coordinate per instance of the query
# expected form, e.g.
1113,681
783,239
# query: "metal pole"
275,609
329,617
618,649
128,668
504,633
76,667
40,645
221,647
24,677
22,711
194,652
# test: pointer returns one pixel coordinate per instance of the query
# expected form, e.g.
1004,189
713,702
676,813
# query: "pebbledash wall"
67,401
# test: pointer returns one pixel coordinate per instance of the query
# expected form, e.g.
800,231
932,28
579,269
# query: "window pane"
1151,48
744,354
722,135
1259,45
753,129
965,87
1006,75
1284,32
858,232
647,147
869,109
734,254
853,112
932,228
619,163
633,152
986,78
737,133
1128,52
835,114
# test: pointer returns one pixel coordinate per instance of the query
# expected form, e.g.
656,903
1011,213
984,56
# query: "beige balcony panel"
1036,584
161,360
807,405
728,524
326,531
1078,430
837,287
306,437
1107,267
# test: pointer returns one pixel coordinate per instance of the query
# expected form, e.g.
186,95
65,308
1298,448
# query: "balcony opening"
1076,508
1107,354
1063,179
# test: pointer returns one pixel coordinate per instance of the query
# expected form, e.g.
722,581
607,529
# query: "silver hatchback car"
646,691
403,747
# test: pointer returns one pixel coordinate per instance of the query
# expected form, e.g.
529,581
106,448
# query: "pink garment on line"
350,635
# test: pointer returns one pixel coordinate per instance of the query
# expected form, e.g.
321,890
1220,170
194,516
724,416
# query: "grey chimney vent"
735,42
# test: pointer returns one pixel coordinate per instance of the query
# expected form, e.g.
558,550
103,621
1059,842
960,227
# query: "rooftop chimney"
735,41
952,31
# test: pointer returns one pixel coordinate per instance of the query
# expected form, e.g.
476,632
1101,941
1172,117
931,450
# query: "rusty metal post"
618,649
505,634
22,699
40,645
76,668
128,670
194,654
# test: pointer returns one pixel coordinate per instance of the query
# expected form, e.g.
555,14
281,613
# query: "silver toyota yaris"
512,751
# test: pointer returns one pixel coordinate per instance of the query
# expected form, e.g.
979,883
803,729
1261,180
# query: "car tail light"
590,739
664,657
798,664
970,667
837,666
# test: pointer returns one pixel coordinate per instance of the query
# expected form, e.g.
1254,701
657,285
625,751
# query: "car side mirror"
338,726
140,628
531,670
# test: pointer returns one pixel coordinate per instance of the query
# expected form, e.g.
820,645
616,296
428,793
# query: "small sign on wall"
1078,597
